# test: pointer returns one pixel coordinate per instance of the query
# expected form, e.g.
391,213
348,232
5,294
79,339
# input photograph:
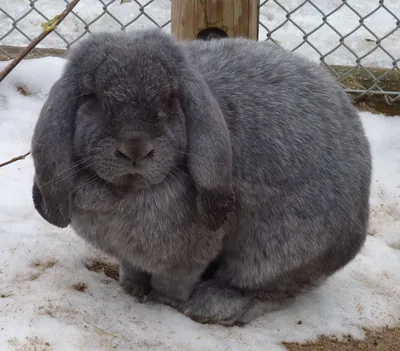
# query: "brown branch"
21,157
47,29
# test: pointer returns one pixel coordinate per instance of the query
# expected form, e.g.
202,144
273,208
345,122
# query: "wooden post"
205,19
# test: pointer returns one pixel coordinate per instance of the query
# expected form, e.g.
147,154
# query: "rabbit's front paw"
170,287
214,208
173,289
159,297
134,282
136,287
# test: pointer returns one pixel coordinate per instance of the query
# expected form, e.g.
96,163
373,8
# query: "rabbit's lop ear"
52,154
209,149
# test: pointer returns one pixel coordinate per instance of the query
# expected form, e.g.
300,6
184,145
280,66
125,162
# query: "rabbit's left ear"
209,148
52,153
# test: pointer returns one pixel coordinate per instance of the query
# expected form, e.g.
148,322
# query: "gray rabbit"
226,176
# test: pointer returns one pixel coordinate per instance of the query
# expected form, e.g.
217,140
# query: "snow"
345,21
39,263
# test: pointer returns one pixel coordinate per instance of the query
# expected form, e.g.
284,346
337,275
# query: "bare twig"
21,157
47,29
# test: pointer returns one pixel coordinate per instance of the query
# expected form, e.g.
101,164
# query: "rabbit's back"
288,120
302,163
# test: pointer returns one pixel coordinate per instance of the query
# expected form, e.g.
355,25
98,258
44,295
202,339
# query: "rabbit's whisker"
65,172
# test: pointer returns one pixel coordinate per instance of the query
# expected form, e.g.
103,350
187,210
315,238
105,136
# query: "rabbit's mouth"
129,184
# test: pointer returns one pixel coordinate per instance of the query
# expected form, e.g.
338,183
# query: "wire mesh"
347,36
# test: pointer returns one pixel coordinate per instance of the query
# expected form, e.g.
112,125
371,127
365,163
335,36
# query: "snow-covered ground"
345,21
42,308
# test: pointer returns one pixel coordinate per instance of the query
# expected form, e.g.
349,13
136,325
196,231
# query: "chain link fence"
358,40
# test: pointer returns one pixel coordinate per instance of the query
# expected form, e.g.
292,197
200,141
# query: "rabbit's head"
133,144
130,108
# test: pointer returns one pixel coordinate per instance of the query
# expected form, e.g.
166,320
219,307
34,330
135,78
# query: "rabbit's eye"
151,153
121,155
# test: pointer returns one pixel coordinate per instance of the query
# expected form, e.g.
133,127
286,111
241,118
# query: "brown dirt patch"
366,106
387,339
110,269
82,287
376,104
23,90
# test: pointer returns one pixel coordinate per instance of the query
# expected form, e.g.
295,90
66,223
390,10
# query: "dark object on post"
211,33
210,19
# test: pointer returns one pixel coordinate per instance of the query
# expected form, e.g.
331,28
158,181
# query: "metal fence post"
205,19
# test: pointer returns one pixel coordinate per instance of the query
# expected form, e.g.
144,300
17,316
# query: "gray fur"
251,178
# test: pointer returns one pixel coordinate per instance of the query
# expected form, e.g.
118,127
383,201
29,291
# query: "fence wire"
349,37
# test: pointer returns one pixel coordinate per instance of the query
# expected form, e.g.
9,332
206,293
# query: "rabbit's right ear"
209,148
52,153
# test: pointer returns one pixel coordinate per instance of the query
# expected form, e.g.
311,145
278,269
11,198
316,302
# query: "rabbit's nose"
135,149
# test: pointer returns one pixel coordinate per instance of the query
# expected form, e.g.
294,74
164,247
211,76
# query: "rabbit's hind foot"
212,303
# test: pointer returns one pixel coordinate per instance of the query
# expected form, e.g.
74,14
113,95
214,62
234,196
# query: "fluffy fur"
226,176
